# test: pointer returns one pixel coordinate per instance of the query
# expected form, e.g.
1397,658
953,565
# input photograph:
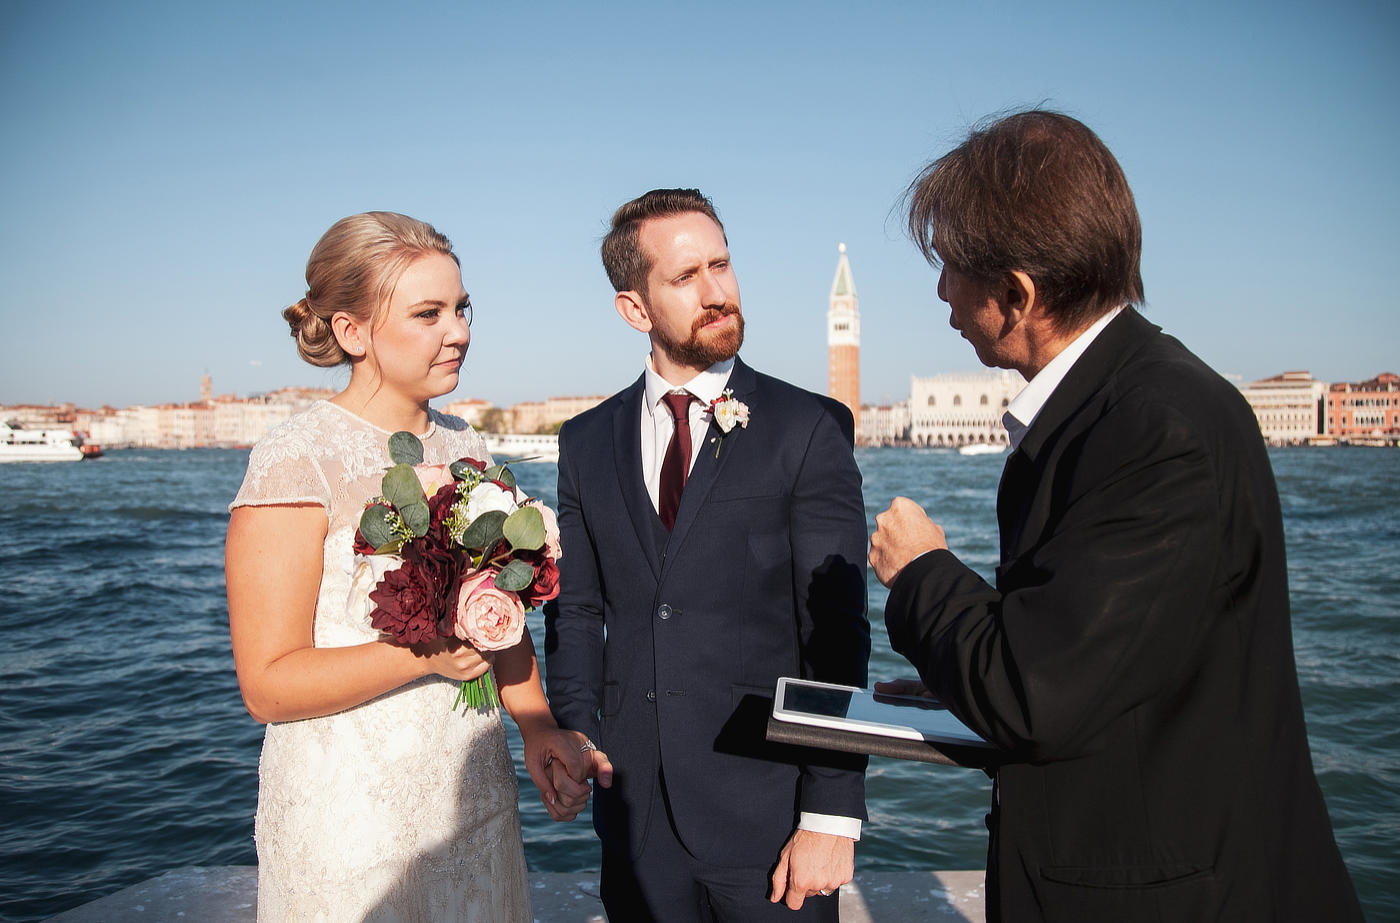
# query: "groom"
716,541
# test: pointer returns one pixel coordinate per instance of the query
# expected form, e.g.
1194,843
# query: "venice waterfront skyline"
169,167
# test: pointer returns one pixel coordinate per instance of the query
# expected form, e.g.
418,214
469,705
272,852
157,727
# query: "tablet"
846,708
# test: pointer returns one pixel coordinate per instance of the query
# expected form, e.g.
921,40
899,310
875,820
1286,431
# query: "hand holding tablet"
847,708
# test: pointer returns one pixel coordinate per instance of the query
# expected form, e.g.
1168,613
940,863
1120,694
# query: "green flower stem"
479,694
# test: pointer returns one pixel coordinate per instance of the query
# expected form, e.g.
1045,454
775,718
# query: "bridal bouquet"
453,551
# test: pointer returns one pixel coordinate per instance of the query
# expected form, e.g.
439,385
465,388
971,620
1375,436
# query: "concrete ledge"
229,895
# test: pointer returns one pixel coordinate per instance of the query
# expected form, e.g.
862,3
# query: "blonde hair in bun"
353,269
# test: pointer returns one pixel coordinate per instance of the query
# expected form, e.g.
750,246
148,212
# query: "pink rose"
433,477
491,619
551,530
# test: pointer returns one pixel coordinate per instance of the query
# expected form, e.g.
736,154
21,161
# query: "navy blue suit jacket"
665,648
1134,659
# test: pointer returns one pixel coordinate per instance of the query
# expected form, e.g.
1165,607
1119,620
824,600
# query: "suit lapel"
1123,336
1020,477
707,470
627,445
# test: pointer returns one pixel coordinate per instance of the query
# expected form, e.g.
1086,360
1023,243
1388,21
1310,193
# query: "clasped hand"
561,762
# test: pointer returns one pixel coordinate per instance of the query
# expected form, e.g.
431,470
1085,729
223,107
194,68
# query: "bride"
376,801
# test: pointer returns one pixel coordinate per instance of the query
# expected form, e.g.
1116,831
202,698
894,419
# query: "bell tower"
843,339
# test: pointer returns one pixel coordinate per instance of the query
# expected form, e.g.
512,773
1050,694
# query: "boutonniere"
728,412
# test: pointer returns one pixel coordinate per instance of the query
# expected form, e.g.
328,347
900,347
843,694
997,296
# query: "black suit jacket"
665,647
1134,658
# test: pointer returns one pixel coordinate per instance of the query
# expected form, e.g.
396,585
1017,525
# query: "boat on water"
42,445
981,448
523,447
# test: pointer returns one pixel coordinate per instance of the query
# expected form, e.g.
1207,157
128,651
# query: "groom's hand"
812,863
567,765
549,754
571,794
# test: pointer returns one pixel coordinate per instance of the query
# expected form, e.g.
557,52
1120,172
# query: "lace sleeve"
283,469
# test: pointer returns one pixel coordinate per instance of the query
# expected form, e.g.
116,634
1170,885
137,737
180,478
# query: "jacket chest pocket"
751,513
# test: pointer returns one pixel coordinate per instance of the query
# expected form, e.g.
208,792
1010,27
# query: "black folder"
806,735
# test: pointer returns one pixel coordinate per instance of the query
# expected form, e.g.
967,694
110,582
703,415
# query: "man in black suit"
714,538
1134,660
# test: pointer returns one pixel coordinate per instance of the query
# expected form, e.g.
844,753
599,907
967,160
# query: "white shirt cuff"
829,823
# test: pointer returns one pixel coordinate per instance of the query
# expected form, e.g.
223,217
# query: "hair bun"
316,341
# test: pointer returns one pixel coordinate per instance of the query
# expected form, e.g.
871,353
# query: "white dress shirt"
657,428
1026,406
657,425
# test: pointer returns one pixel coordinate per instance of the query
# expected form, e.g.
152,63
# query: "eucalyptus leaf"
405,448
401,487
462,470
417,517
524,529
485,530
501,473
373,527
514,577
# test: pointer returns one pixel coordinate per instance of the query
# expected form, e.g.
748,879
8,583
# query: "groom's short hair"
627,266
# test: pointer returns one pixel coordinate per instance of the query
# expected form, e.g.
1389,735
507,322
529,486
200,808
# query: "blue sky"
167,168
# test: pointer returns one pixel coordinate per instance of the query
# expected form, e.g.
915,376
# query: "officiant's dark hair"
1035,192
627,266
354,268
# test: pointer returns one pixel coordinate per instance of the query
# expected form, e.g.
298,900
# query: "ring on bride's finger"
587,745
824,892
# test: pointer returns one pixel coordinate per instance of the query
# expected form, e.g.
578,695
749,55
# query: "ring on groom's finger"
587,745
824,892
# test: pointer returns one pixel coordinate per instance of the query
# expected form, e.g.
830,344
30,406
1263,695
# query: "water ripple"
125,750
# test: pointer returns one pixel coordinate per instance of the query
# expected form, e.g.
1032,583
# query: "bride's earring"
347,334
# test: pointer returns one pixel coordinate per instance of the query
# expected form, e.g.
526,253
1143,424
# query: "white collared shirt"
657,428
657,425
1026,406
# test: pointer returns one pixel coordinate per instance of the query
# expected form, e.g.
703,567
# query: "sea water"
125,750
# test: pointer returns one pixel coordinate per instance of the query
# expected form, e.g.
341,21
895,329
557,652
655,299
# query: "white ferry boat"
36,445
981,448
522,447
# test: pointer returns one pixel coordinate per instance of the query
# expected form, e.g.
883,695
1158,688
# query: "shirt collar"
708,385
1026,406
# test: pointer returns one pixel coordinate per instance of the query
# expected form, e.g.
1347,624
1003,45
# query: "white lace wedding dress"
399,809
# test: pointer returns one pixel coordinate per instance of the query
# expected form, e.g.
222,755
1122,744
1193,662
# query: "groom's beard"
701,350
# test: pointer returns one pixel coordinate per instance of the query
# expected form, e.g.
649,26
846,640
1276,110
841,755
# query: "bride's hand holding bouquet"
453,551
451,557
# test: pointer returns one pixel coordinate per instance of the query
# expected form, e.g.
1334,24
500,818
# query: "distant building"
1368,409
843,339
961,408
35,416
546,415
470,410
222,421
1289,407
884,424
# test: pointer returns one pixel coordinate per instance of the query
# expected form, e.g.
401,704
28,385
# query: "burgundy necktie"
676,465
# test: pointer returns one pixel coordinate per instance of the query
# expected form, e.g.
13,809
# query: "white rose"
726,415
489,496
369,570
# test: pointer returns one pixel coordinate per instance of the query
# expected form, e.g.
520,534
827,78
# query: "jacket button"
651,695
663,612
